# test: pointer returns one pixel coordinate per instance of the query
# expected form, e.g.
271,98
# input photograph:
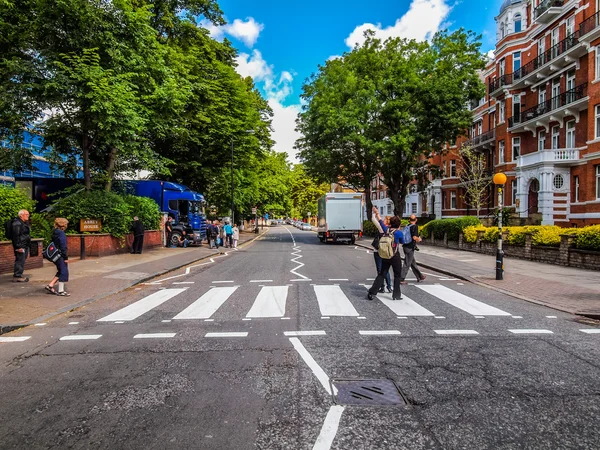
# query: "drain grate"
381,392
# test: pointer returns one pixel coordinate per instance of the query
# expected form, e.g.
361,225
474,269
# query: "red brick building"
539,122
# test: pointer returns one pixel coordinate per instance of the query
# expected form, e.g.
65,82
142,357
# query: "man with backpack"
411,234
19,232
389,244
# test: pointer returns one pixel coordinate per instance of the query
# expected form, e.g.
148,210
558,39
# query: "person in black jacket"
409,252
21,240
138,236
59,238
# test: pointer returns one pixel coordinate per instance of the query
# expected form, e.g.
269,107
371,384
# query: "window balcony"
559,157
569,103
548,10
483,141
589,29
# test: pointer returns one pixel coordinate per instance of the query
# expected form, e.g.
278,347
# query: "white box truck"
340,217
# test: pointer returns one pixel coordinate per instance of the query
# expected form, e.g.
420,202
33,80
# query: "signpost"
90,225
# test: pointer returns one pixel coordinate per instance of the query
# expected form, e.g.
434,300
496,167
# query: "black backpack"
8,229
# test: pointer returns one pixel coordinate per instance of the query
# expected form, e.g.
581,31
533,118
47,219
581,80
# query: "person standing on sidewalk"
409,251
236,235
21,241
168,230
138,236
228,230
388,279
395,261
59,238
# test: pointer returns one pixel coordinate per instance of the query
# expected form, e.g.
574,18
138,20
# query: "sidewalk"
576,291
90,280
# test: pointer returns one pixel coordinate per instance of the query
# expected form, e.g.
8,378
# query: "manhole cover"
367,393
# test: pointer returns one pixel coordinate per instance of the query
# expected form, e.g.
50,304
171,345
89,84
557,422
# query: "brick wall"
7,256
104,244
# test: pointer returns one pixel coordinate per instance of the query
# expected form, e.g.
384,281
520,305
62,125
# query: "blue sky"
281,43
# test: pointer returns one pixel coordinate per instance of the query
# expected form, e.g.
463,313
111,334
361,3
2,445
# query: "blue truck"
178,201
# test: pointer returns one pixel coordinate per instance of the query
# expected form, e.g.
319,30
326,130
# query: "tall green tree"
305,192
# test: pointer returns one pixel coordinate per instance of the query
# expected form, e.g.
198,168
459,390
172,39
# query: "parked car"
306,227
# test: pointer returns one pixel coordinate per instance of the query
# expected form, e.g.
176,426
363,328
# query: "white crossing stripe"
14,338
404,307
305,333
80,337
378,332
231,334
461,301
154,335
333,302
455,332
142,306
525,331
591,331
270,302
208,304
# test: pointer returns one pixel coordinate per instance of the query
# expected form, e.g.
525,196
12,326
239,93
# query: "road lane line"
183,282
310,362
270,302
305,333
329,428
378,332
216,282
14,338
455,332
261,281
405,307
531,331
142,306
461,301
208,304
230,334
333,302
591,331
154,335
338,279
80,337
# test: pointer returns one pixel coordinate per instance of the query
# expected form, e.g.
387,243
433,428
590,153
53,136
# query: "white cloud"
246,31
491,55
284,128
254,66
422,20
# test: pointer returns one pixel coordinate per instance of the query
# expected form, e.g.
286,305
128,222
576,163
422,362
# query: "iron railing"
550,105
545,6
478,140
589,24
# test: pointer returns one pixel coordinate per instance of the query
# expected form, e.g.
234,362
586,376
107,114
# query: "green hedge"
12,200
146,209
369,228
588,238
453,227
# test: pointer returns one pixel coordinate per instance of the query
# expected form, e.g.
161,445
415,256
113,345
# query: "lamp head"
499,178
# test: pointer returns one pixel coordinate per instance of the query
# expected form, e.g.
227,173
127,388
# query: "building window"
500,152
516,61
381,195
597,63
576,181
597,182
518,23
381,210
501,114
516,148
541,140
389,209
559,181
479,128
542,95
502,30
570,142
597,122
413,208
555,137
453,200
513,193
374,196
452,167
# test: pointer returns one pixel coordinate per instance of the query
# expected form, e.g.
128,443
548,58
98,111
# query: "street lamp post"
499,180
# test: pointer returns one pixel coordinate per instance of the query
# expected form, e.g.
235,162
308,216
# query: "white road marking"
154,335
310,362
305,333
207,305
517,317
439,317
404,307
463,302
479,317
301,279
323,318
73,323
329,428
80,337
14,338
338,279
270,302
378,332
468,260
217,282
166,321
231,334
455,332
183,282
246,319
333,301
209,320
285,318
370,279
261,281
531,331
120,321
41,324
142,306
551,317
590,331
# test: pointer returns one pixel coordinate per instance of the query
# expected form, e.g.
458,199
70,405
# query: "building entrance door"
532,201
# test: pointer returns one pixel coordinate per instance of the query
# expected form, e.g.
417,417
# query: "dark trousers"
396,263
378,260
62,270
410,263
20,262
138,243
229,240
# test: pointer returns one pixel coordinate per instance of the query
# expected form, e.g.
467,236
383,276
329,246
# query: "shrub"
369,228
490,235
516,235
41,227
146,209
548,235
588,238
424,231
12,200
470,233
452,227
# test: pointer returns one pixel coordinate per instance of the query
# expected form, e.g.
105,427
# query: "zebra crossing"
271,302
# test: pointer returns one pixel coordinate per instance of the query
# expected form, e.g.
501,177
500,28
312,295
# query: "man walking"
168,231
138,236
409,251
21,240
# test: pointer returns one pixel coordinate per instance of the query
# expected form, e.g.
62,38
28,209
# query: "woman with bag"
59,238
375,244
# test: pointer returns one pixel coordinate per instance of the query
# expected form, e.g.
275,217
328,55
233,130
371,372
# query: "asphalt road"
262,349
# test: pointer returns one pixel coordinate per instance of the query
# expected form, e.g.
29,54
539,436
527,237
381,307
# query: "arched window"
502,33
518,23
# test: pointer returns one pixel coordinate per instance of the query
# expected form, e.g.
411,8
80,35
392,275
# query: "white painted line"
270,302
304,333
455,332
370,279
154,335
183,282
142,306
217,282
401,317
14,338
73,323
232,334
80,337
338,279
301,279
246,318
310,362
551,317
329,428
41,324
463,302
323,318
517,317
479,317
261,281
333,301
285,318
404,307
209,320
379,332
120,321
591,331
207,305
448,279
439,317
530,331
460,284
166,321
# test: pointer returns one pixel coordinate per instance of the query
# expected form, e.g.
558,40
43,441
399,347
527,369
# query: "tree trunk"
110,169
368,202
85,147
